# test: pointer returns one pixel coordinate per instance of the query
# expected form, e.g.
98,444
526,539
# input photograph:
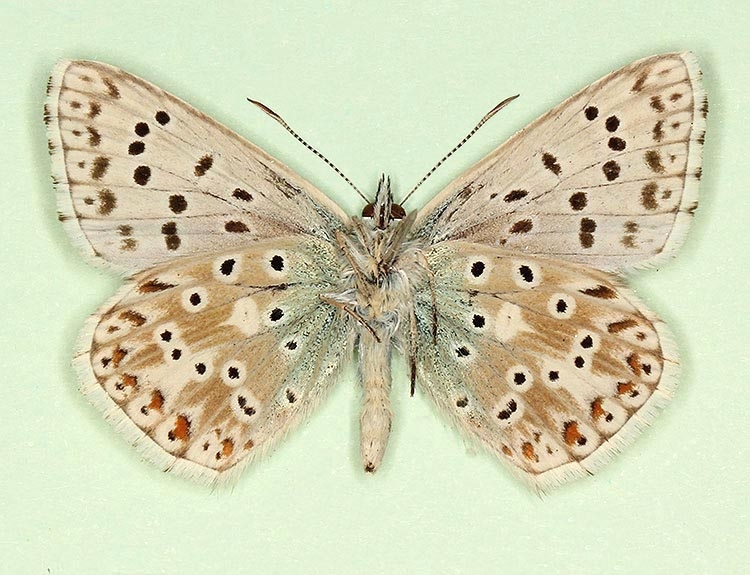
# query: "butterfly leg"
347,308
425,265
355,259
413,334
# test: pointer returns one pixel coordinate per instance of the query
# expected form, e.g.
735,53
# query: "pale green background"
391,86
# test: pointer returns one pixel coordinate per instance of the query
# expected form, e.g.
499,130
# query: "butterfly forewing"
144,178
552,365
607,178
212,360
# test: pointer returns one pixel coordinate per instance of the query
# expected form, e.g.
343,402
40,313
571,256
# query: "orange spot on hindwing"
572,435
181,429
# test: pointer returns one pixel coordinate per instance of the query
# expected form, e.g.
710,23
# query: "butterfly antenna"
473,131
299,138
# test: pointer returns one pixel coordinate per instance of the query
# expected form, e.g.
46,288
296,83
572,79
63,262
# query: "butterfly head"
383,211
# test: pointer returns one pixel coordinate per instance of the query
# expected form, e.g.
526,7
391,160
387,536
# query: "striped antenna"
481,123
299,138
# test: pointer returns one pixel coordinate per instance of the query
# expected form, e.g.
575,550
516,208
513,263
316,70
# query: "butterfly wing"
142,177
552,366
206,362
608,178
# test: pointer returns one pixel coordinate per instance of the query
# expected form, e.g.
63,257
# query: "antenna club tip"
265,108
502,105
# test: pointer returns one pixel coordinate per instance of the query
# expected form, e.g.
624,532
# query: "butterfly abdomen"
375,420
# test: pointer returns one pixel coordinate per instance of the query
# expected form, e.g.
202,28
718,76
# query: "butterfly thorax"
380,264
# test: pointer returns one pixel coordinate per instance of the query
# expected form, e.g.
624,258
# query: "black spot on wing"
107,201
171,239
243,195
648,196
141,129
578,201
653,161
515,195
656,104
141,175
586,232
112,89
177,203
526,273
227,266
95,108
236,227
612,123
162,117
276,314
640,81
616,144
658,131
99,167
277,263
550,163
95,137
600,291
611,170
203,165
522,227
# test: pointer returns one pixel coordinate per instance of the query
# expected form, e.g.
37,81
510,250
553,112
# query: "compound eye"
397,212
368,211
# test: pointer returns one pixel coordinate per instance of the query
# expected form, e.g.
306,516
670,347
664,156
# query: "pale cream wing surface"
552,366
207,362
608,178
142,177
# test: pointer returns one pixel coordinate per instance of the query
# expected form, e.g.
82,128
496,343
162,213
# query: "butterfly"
249,289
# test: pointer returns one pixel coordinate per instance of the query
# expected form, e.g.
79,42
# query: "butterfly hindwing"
209,361
608,178
142,177
553,366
